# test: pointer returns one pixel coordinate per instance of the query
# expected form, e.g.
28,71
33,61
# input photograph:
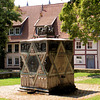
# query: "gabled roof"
49,14
30,14
18,23
39,16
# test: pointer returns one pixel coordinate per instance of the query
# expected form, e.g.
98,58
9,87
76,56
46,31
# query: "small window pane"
9,61
16,61
11,31
17,31
9,48
78,45
79,59
16,47
89,45
25,47
40,47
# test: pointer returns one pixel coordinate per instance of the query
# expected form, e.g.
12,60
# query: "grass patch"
4,99
80,74
85,74
90,81
97,97
9,81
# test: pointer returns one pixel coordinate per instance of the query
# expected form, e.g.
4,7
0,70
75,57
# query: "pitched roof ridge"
25,19
30,6
54,4
43,5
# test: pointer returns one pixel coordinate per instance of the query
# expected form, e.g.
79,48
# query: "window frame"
10,31
15,61
8,48
38,30
89,46
8,61
15,30
15,48
79,59
78,45
25,47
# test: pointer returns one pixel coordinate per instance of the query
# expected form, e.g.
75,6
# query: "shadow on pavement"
79,93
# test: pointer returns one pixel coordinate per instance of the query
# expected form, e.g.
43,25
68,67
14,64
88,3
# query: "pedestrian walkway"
84,91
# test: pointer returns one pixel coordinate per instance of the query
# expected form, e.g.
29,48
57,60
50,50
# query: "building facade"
86,56
43,21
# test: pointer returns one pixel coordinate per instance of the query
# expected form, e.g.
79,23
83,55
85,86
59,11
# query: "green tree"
8,13
81,18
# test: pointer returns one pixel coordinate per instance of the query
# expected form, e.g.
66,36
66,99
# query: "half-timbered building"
36,20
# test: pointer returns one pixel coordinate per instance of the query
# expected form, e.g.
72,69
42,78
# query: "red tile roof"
31,15
49,14
18,23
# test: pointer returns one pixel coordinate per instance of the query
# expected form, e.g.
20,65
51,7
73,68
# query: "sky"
37,2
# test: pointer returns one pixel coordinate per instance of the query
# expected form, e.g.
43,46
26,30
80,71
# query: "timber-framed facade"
48,63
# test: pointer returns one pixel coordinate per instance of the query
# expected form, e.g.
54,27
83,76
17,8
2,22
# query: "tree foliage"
7,15
81,18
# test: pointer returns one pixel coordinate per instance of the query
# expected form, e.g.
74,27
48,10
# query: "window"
43,47
25,47
9,48
17,31
16,61
16,47
78,45
11,31
14,31
40,30
9,61
89,46
79,59
45,30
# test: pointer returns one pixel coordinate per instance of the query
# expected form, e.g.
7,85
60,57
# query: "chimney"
49,2
27,3
42,7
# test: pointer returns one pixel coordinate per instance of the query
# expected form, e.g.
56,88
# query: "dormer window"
11,31
14,31
45,30
17,31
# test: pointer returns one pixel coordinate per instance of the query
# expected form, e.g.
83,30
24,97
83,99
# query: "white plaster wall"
80,66
94,45
91,52
82,46
12,55
79,52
